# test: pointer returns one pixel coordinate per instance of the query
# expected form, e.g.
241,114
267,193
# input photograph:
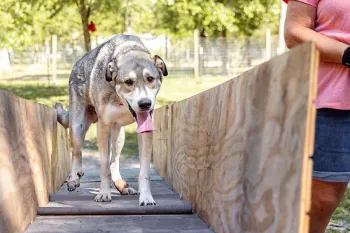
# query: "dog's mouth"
143,119
132,111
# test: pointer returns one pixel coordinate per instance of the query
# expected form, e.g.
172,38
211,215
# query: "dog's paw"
123,188
129,191
72,185
80,174
146,200
73,181
103,196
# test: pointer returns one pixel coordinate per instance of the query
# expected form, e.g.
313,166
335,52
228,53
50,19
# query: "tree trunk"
84,13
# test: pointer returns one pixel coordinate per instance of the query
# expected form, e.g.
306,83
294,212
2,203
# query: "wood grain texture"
305,204
116,224
160,154
60,159
28,146
240,151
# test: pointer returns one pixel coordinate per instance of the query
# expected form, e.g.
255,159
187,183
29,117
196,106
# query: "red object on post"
286,1
92,27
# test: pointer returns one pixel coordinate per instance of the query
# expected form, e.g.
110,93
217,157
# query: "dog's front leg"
117,141
145,150
103,138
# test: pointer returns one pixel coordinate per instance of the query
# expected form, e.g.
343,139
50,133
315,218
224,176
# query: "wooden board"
160,148
110,223
240,152
31,143
120,205
60,159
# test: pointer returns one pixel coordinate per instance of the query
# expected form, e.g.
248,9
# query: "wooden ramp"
78,212
239,153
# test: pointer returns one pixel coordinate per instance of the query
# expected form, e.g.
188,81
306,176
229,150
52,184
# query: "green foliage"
27,22
15,22
254,13
215,17
182,17
102,12
342,213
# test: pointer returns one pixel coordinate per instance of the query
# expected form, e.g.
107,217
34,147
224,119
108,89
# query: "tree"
15,22
214,17
85,8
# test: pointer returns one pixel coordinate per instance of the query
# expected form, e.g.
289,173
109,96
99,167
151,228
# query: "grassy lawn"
340,222
173,89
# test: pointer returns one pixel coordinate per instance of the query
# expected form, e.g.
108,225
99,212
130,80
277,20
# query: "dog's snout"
145,103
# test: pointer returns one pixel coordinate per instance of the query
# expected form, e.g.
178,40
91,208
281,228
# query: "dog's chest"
117,114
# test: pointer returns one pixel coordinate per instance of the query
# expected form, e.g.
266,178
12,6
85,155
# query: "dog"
114,84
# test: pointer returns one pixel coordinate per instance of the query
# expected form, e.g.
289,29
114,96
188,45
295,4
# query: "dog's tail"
62,115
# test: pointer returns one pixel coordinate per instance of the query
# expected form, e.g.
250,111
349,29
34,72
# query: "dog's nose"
145,103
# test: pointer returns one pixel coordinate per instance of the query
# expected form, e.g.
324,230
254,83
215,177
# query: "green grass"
341,215
39,91
173,89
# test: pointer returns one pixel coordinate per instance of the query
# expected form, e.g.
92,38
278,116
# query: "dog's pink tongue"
144,123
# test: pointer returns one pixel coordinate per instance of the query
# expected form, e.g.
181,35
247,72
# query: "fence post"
54,57
268,44
166,48
47,61
196,55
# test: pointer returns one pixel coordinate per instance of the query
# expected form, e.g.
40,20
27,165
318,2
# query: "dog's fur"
100,91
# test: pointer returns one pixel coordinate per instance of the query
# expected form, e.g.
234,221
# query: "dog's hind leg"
103,138
117,140
145,150
80,121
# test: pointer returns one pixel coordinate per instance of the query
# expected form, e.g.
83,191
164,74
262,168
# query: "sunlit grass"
341,215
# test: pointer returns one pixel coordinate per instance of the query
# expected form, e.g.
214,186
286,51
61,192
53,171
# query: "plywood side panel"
160,141
237,151
27,138
306,177
60,159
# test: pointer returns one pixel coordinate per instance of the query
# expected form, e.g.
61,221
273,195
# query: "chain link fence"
222,57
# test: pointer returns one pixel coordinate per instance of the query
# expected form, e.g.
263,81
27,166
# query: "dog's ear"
160,64
111,70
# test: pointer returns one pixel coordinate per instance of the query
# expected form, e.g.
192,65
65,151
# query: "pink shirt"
333,20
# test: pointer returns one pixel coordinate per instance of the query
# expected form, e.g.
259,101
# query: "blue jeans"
332,146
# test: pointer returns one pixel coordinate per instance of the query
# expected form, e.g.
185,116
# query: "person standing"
327,24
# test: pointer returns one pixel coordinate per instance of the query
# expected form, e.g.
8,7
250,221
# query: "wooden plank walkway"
77,211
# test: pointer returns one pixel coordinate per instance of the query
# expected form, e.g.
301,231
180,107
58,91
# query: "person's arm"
299,28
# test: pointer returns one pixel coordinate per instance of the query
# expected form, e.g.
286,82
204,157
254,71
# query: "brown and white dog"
114,85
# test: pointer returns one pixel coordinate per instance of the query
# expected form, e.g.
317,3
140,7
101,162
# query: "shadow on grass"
33,92
130,148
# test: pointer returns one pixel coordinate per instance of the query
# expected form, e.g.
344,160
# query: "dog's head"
137,78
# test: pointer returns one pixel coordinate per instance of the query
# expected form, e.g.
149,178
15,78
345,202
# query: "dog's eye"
129,82
150,79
